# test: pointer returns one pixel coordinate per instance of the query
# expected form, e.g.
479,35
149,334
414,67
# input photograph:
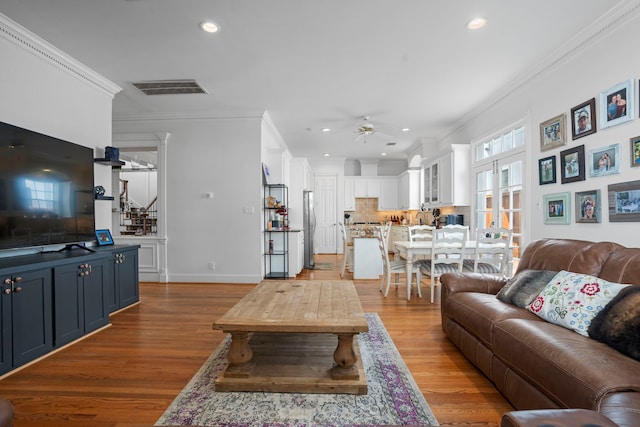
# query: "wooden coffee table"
295,336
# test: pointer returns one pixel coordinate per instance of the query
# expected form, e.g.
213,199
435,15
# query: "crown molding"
184,116
623,12
29,42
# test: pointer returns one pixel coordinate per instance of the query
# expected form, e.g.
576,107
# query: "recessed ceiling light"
476,23
209,26
326,154
326,130
383,154
405,129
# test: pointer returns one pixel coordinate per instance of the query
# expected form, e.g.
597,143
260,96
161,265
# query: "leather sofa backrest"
622,266
578,256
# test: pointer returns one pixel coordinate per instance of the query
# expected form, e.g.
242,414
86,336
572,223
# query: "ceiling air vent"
169,87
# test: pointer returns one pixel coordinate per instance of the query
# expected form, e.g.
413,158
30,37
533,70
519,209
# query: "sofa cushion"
525,286
573,370
572,300
618,324
476,312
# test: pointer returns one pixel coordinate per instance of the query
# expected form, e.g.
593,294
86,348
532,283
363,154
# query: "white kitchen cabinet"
384,188
367,186
447,178
296,252
409,190
349,193
388,199
367,262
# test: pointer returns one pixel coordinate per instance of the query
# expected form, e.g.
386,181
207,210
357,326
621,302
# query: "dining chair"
347,250
420,232
491,254
395,267
386,230
447,254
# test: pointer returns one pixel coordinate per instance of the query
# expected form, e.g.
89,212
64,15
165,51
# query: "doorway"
326,229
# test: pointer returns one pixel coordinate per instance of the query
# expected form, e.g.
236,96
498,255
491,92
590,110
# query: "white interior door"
325,205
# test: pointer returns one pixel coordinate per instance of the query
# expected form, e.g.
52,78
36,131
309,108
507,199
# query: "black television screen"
46,190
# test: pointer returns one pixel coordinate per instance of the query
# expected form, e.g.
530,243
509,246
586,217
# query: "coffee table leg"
345,358
239,356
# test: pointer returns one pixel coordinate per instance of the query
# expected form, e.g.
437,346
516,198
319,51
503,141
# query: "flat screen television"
46,190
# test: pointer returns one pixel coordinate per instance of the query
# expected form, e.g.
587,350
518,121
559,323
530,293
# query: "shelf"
108,162
105,198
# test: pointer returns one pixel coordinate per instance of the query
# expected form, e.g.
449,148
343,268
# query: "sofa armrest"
452,283
556,418
6,413
471,282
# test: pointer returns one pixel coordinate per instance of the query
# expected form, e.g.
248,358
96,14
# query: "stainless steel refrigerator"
309,227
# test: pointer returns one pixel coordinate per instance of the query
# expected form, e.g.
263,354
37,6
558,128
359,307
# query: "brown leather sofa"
542,368
6,413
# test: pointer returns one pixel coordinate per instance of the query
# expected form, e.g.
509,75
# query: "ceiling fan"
367,129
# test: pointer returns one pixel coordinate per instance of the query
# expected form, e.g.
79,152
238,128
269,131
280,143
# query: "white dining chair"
420,232
347,250
447,254
395,267
386,230
491,254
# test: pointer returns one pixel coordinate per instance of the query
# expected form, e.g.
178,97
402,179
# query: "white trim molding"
29,42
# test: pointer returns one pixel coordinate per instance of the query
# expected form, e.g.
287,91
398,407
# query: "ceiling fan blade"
360,138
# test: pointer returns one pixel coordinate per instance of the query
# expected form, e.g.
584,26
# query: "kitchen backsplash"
367,211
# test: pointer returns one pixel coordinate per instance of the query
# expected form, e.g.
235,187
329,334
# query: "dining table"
411,251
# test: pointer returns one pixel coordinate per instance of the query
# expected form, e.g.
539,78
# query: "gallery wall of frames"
615,105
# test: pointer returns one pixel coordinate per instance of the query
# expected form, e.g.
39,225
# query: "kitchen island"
367,261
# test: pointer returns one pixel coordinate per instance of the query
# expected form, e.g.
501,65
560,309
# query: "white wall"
581,74
48,92
210,155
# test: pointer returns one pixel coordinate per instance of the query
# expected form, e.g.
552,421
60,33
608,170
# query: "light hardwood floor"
127,374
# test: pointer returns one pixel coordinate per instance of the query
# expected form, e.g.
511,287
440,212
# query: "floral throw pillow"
572,300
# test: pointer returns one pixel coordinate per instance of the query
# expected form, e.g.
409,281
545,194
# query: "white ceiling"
315,63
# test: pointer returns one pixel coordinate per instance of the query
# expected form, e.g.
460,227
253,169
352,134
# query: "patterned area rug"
323,266
393,398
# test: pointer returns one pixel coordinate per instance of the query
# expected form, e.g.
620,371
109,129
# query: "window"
40,194
498,167
503,143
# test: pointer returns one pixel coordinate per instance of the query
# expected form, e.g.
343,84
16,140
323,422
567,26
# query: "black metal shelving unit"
276,231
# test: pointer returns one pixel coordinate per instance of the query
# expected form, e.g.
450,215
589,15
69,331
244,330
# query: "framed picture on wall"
604,160
557,208
572,164
635,151
617,104
553,133
547,170
588,206
583,119
624,202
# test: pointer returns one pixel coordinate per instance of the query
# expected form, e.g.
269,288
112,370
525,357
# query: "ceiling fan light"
476,23
209,26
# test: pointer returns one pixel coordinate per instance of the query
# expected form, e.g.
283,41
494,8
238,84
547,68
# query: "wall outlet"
212,265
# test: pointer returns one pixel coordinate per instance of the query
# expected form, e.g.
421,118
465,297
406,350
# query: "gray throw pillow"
524,287
618,323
